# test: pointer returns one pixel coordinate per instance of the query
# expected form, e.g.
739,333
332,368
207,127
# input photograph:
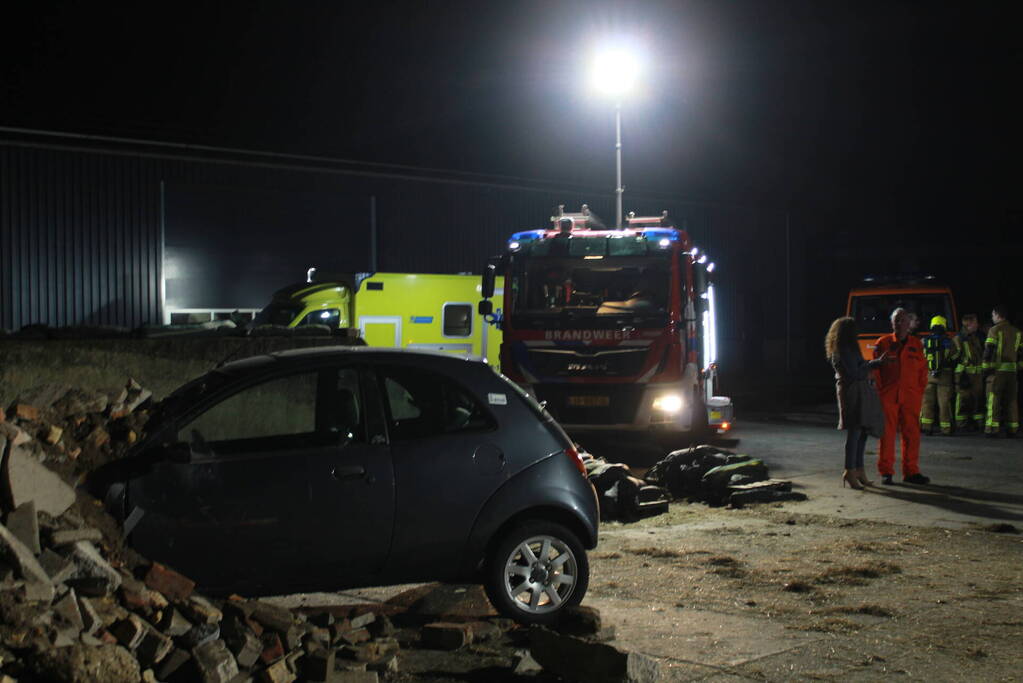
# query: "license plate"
589,401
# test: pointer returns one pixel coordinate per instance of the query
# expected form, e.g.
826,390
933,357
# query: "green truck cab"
409,310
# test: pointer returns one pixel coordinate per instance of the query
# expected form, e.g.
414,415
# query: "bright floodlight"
615,71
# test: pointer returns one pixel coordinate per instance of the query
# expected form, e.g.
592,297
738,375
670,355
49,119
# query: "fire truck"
612,329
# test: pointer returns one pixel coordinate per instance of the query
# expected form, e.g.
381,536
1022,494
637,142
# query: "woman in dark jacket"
859,408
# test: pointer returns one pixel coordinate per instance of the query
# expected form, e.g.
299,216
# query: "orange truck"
872,302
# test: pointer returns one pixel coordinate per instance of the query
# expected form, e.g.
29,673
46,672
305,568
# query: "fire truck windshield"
591,277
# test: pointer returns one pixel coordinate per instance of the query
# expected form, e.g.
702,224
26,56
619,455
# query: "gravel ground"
769,593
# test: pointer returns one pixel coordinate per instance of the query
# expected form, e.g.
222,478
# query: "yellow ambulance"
411,310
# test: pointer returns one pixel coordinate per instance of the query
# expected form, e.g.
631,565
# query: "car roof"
299,356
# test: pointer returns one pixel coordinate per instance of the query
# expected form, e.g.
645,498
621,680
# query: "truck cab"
871,304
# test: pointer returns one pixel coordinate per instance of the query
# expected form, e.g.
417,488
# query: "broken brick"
25,411
272,648
165,580
97,438
273,617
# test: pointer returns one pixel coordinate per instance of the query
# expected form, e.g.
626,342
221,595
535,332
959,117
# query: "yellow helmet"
939,320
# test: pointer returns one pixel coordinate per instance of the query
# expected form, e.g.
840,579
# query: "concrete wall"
160,365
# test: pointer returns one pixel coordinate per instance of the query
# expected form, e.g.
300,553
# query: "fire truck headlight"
664,243
514,245
668,403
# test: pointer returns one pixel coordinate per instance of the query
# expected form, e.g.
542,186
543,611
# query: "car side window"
282,406
421,403
339,406
308,409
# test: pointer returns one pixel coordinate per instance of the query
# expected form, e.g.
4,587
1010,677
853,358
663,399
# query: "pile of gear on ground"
701,473
78,604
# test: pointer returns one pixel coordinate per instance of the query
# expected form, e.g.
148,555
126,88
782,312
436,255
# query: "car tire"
530,585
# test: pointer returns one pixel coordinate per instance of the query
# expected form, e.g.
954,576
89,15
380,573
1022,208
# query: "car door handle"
348,472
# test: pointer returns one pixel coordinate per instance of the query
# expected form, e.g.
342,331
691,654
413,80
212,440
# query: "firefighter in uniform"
970,377
942,354
900,382
1003,357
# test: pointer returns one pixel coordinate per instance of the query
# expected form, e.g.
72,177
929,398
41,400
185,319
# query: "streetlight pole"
619,190
614,73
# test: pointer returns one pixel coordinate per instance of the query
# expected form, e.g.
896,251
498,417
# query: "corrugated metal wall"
80,239
81,228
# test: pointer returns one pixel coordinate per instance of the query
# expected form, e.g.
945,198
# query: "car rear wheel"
535,571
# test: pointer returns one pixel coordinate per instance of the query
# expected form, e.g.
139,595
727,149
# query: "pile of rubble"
77,605
719,477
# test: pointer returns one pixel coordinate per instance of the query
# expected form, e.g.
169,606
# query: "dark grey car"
337,467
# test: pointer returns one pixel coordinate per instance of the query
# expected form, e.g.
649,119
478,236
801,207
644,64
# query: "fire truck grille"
596,405
568,363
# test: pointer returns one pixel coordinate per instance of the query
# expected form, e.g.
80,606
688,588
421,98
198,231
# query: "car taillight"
577,460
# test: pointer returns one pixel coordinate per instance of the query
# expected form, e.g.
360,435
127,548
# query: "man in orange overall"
901,382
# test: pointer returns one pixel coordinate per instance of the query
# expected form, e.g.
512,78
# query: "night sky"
883,121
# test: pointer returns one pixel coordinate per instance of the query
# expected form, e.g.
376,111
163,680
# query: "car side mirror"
485,307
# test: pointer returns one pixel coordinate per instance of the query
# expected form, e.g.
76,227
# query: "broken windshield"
592,277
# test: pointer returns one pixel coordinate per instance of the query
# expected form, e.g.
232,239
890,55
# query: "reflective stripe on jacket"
1002,348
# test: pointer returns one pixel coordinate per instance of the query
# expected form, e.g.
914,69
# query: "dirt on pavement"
768,593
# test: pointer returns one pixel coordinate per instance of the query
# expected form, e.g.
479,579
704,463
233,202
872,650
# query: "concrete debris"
29,480
201,611
278,672
89,564
524,664
25,563
24,523
91,621
579,659
214,662
57,567
70,536
67,609
174,624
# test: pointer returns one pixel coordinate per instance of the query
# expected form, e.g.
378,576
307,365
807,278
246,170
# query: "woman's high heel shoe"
862,476
849,477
